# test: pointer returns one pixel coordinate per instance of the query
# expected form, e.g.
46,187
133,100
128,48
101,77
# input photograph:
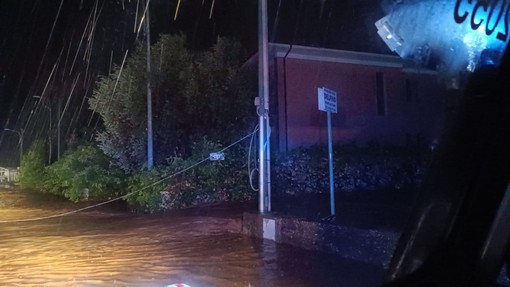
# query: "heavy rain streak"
63,65
129,130
53,54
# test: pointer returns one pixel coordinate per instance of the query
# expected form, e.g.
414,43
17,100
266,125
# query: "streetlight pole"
20,134
150,151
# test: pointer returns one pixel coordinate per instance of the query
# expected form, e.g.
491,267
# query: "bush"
32,166
144,189
355,167
84,173
192,181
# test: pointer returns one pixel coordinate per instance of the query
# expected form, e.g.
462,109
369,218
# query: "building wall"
411,113
8,174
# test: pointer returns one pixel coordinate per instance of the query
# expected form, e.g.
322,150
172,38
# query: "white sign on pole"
327,100
217,156
327,103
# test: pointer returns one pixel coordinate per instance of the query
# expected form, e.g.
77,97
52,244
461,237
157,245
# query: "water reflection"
99,248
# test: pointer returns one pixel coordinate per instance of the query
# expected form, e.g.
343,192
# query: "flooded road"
101,247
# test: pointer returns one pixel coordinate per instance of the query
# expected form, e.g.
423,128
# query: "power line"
133,192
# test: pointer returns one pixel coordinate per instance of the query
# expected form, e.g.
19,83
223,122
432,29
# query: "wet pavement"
385,210
366,226
108,246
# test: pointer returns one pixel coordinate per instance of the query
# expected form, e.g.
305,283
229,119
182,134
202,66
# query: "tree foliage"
82,173
193,95
214,92
145,189
117,99
33,164
191,181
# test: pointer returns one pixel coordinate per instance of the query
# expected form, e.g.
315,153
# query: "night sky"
54,48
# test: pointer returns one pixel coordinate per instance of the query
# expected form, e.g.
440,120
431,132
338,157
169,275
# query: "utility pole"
150,155
263,113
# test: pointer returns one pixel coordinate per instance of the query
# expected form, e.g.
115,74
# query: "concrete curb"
364,245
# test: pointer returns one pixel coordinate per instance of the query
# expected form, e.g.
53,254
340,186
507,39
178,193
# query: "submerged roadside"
202,246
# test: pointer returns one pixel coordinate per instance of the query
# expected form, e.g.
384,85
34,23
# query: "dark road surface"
111,247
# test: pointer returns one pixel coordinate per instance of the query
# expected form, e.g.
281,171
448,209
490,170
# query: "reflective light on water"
97,249
117,252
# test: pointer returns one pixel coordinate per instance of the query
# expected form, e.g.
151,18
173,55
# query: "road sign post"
328,103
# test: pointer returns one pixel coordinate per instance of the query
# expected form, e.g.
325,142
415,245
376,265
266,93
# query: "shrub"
356,167
144,189
222,180
192,181
84,173
32,166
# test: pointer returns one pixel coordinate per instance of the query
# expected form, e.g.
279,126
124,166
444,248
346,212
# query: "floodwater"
112,247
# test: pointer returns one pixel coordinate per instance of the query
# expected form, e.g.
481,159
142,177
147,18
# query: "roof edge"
334,56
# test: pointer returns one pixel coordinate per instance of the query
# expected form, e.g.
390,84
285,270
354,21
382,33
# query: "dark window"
380,94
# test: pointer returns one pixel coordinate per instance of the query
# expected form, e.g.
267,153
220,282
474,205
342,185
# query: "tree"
85,172
32,166
215,90
194,95
117,98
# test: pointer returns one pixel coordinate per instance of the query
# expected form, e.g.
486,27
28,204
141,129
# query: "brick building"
380,98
